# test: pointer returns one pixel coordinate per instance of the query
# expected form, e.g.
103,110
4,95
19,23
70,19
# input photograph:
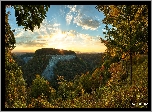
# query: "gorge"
48,72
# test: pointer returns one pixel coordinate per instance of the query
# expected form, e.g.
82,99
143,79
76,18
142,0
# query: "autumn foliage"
107,85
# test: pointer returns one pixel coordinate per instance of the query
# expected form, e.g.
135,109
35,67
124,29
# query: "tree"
131,34
40,86
9,36
15,86
27,16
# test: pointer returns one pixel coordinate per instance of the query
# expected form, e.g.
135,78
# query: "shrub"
65,89
97,79
41,86
86,82
40,102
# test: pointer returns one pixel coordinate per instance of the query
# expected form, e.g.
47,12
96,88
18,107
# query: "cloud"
39,37
70,40
19,34
55,25
87,23
34,43
72,8
69,18
42,40
43,33
50,35
82,17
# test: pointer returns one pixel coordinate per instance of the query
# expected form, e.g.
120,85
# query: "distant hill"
40,61
22,58
53,51
50,62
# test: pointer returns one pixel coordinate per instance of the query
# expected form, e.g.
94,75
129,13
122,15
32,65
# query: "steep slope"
70,68
48,72
22,59
115,94
35,66
92,60
43,62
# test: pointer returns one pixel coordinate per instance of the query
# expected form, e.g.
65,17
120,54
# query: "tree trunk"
130,68
126,67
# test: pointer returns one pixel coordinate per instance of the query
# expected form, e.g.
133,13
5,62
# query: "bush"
41,86
65,89
97,79
86,82
40,102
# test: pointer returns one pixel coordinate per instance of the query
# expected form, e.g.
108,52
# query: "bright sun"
59,35
58,40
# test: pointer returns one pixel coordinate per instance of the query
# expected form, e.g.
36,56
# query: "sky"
69,27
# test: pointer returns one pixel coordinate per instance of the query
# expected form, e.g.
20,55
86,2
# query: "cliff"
48,72
43,62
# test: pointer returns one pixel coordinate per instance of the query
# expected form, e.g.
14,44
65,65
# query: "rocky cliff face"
43,62
48,72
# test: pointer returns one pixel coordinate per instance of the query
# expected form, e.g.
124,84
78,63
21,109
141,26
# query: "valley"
60,63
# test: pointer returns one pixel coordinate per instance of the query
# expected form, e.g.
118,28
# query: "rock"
48,72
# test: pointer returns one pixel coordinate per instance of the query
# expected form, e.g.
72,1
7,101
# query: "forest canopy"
107,86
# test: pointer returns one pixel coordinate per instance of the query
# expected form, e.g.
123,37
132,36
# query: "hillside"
43,62
22,58
50,63
107,67
75,84
82,64
91,60
48,72
88,90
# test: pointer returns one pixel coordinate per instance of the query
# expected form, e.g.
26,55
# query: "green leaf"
104,32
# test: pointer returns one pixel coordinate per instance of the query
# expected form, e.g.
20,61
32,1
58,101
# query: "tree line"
128,39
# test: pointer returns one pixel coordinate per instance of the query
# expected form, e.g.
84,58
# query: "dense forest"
83,63
117,78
